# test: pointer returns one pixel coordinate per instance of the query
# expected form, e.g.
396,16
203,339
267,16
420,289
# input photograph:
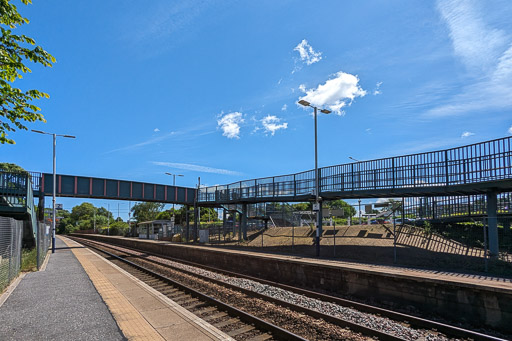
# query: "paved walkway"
59,303
82,296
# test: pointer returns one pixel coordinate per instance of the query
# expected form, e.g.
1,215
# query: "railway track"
401,327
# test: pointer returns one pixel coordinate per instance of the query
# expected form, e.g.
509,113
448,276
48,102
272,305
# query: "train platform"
82,296
478,299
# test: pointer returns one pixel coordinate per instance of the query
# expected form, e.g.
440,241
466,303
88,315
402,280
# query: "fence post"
293,235
393,170
485,245
446,167
334,236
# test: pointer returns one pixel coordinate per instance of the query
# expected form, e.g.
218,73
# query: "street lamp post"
54,179
317,187
174,185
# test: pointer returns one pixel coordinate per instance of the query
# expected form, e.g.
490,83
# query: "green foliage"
29,260
118,228
348,210
83,217
164,215
302,206
15,51
12,167
146,211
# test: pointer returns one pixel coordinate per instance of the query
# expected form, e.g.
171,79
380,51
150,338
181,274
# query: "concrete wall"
478,305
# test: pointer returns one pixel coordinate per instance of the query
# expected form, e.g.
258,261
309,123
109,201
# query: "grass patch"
29,260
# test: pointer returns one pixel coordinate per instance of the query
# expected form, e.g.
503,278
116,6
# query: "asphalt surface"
60,303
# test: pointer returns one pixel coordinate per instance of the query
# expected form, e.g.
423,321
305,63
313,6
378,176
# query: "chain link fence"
43,242
11,235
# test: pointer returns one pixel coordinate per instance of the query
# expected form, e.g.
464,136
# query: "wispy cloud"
284,107
271,124
159,21
195,168
336,93
307,54
466,134
230,124
156,130
150,141
510,130
485,51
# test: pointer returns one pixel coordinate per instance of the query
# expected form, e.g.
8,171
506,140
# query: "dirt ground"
373,244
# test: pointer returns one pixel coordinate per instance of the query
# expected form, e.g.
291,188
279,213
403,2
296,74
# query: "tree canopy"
146,211
12,167
348,210
17,105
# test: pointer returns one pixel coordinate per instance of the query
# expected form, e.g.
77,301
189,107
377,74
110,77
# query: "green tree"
15,50
146,211
12,167
164,215
302,206
348,210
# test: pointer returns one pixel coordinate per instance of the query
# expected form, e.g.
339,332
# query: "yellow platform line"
133,325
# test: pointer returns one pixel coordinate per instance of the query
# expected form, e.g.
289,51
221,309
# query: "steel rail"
414,321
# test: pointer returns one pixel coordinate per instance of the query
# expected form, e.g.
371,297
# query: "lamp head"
325,111
304,103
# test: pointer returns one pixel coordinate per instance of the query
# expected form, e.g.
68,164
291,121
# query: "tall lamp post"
316,207
174,185
54,215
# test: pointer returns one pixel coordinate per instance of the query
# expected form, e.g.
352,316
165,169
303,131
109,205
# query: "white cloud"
466,134
368,130
335,93
487,54
510,130
230,124
474,41
144,143
156,130
284,107
307,53
377,89
195,168
271,124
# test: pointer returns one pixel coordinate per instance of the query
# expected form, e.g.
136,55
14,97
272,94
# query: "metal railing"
11,235
471,164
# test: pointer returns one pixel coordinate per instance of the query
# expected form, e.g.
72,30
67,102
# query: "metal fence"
452,245
11,235
44,238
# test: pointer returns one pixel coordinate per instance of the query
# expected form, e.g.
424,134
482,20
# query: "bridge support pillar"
41,209
492,223
244,221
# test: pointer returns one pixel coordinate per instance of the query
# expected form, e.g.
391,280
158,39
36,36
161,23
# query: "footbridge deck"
473,169
102,188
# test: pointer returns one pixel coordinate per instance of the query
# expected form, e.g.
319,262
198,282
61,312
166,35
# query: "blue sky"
209,88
